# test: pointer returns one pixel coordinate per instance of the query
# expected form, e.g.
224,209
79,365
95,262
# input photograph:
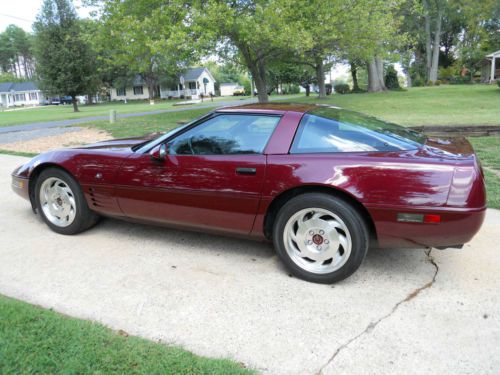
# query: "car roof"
276,108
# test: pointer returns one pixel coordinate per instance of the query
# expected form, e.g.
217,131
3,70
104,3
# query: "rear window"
327,129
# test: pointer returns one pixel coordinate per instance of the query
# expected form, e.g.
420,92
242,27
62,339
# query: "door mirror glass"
159,153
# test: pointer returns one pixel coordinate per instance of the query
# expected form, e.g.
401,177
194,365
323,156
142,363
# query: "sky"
23,12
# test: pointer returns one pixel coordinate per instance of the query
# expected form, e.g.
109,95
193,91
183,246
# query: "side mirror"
159,153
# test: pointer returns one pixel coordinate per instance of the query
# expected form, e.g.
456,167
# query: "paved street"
70,122
404,311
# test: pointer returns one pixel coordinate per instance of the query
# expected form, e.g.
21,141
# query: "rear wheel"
320,238
61,203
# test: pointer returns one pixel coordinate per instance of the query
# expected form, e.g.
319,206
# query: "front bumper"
20,186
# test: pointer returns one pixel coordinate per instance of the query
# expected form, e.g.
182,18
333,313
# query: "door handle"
247,171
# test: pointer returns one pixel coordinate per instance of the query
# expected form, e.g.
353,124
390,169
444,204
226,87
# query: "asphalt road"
404,311
70,122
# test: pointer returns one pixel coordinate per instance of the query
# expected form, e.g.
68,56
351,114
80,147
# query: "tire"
61,204
320,238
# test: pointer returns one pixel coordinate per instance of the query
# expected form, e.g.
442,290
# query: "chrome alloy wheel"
57,202
317,240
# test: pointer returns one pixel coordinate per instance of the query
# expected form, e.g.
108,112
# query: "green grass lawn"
64,112
438,105
488,150
38,341
141,125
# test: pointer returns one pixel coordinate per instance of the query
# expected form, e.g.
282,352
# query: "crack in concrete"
372,325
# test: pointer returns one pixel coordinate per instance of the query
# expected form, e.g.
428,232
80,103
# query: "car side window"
226,134
317,134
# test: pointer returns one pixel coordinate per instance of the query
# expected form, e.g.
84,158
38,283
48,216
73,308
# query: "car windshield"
371,124
147,145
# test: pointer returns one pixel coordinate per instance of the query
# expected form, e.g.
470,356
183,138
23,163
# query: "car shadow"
395,262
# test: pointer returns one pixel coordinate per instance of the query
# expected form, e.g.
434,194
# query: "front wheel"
320,238
61,203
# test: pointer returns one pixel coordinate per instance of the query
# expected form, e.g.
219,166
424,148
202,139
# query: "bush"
391,78
446,74
430,83
459,80
342,88
438,82
418,82
498,83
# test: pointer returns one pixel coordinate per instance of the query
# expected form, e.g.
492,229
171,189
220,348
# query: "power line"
17,18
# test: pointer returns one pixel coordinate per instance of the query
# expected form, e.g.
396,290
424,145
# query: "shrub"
446,74
418,82
430,83
391,78
342,88
459,80
498,83
438,82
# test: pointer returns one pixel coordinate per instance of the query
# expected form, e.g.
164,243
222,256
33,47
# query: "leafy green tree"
253,33
65,63
147,37
16,52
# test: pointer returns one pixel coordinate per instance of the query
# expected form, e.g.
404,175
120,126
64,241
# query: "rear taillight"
419,218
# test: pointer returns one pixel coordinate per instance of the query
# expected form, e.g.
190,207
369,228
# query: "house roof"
192,74
496,54
18,86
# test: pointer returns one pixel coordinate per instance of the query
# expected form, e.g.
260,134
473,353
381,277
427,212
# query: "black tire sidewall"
352,219
82,211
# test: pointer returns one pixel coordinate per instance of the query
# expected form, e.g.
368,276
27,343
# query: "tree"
434,11
149,38
253,32
64,61
16,52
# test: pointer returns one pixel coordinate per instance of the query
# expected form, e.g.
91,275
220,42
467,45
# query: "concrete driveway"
404,311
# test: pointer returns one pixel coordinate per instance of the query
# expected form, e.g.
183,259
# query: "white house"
490,67
16,94
136,91
197,81
227,89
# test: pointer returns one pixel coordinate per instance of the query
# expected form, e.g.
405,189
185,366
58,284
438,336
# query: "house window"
33,96
192,85
138,90
20,97
121,92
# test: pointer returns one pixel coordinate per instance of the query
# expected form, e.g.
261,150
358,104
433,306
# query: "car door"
210,179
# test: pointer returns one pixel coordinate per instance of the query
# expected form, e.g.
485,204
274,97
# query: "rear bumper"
20,186
457,227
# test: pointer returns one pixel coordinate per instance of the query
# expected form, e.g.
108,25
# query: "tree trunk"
75,103
320,77
428,45
90,101
354,75
435,50
308,89
375,75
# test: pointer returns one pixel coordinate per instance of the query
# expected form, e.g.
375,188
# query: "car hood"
117,144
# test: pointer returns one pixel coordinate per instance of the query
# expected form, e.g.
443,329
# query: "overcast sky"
23,12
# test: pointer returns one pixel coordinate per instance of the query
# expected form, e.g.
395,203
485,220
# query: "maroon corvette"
321,182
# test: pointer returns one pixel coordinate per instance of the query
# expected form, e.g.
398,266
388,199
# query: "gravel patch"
80,136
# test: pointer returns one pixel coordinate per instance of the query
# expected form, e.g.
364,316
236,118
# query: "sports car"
324,184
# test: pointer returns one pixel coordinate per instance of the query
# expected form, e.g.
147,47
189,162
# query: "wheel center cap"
317,239
59,201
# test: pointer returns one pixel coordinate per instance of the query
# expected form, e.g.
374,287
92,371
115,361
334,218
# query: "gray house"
16,94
